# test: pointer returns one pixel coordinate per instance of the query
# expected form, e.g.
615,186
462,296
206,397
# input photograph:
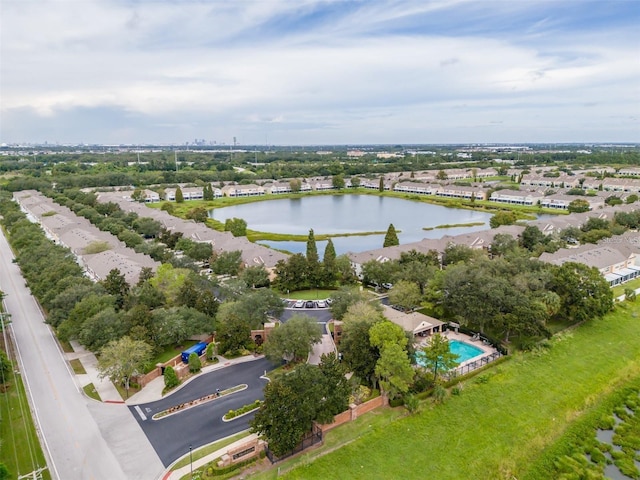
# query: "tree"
381,185
345,273
195,365
437,356
138,195
502,244
122,359
5,474
394,370
335,386
237,227
295,184
391,238
198,214
200,251
583,291
578,206
207,192
405,294
343,299
376,273
441,175
337,182
532,236
116,284
167,207
179,196
503,218
233,332
170,378
5,367
313,261
359,354
293,340
292,273
290,407
226,263
147,227
329,273
101,328
632,198
255,276
382,334
355,182
363,310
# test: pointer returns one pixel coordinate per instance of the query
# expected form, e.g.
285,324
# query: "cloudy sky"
284,72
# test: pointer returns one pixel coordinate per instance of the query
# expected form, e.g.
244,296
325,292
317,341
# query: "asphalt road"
82,438
202,424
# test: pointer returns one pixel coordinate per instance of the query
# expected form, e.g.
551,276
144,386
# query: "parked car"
310,304
299,304
321,304
329,301
388,286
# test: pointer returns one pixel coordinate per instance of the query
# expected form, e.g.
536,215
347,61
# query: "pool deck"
451,335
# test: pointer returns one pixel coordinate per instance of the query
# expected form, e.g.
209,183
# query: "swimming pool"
465,351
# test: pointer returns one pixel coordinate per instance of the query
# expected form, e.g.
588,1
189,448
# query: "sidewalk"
108,393
325,345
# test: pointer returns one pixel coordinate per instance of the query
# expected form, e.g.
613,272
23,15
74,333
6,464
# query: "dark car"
310,304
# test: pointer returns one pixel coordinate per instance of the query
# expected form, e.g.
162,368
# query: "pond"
351,214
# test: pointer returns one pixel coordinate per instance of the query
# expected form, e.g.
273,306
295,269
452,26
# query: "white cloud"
224,67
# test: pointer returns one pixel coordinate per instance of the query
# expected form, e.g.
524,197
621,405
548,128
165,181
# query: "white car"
299,304
321,304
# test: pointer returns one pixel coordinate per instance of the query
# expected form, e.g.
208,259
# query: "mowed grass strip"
20,447
503,418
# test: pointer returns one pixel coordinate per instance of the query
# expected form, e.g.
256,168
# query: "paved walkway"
105,388
326,345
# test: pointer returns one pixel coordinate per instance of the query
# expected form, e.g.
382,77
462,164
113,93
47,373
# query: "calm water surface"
350,214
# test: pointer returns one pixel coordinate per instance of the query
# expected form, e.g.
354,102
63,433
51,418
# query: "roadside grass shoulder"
498,427
77,367
20,447
91,392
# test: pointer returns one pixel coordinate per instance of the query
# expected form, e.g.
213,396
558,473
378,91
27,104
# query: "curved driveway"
202,424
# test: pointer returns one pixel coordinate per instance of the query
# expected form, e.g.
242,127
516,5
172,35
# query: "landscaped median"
242,411
198,401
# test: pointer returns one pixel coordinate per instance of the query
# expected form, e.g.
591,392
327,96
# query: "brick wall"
354,412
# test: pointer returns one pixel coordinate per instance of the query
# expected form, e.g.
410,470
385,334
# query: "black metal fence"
471,366
311,438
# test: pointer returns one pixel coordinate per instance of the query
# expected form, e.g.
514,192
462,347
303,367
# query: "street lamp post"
191,461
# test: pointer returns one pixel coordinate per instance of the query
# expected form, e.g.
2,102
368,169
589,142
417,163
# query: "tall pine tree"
391,238
179,196
313,261
329,264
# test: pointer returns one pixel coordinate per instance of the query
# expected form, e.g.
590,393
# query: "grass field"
20,447
77,367
619,290
503,419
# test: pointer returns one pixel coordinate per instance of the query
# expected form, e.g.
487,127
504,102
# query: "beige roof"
413,322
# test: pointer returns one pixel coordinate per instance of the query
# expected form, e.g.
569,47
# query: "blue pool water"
464,351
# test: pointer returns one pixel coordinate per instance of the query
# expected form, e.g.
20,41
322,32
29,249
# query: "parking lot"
308,304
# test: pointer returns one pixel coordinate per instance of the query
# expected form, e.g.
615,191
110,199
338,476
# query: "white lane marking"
139,410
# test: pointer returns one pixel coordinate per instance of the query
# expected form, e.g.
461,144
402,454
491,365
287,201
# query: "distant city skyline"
309,72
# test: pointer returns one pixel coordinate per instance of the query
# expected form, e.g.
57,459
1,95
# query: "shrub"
170,378
194,363
439,394
211,351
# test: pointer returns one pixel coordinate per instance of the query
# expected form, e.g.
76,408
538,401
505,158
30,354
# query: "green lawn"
310,294
503,418
170,352
77,367
619,290
91,392
20,447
